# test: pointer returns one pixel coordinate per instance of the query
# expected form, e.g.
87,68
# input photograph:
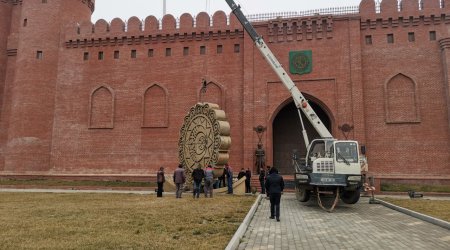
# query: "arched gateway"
287,134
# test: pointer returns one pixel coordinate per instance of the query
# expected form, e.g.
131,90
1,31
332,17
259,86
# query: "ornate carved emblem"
204,138
300,62
346,129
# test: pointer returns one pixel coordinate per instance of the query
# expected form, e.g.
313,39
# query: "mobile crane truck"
331,166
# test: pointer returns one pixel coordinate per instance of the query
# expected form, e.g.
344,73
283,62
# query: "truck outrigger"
331,165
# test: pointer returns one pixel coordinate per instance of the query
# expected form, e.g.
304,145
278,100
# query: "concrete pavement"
359,226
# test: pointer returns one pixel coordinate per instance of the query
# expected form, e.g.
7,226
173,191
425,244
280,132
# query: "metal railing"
335,11
348,10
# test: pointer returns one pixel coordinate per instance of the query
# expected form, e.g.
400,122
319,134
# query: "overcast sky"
109,9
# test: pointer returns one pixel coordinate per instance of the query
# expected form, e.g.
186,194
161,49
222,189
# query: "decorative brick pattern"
401,100
214,93
101,113
155,107
288,30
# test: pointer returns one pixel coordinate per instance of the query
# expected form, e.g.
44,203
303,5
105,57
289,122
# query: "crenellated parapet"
393,13
89,3
152,30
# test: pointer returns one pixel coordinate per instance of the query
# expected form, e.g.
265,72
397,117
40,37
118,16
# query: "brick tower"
34,44
5,24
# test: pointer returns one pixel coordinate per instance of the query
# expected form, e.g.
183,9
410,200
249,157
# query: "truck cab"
330,163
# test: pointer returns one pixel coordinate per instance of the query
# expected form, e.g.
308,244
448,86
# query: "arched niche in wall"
214,93
155,107
401,100
101,107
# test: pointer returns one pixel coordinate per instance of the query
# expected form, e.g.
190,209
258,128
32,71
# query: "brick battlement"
134,31
389,13
89,3
405,21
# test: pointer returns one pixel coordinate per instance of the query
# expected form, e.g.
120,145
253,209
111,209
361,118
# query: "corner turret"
5,26
38,30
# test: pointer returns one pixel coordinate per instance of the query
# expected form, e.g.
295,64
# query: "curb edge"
235,240
432,220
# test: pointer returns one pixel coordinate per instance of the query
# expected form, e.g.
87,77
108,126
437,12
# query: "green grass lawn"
118,221
398,187
436,208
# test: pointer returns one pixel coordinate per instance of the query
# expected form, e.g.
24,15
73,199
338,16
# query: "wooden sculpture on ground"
204,139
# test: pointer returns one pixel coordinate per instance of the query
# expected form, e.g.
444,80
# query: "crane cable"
319,201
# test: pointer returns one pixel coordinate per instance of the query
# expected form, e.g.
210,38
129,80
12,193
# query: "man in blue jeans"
197,175
229,176
274,186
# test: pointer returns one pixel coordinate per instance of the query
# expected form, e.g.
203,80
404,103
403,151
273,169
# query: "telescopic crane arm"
300,101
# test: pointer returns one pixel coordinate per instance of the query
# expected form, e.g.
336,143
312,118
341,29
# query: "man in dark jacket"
262,178
274,186
241,174
197,175
160,179
248,175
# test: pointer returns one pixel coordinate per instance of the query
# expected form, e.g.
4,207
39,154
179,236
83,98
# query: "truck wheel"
302,194
350,197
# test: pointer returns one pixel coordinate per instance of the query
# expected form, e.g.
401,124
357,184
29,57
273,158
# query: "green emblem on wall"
300,62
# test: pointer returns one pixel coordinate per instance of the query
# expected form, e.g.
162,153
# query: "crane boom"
299,100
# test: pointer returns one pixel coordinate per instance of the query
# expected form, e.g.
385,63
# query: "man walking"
274,186
179,178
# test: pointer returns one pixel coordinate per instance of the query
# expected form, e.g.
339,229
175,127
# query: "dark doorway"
288,138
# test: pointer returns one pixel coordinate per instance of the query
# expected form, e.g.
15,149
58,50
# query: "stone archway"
287,135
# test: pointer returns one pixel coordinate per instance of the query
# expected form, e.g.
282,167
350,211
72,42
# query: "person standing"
222,179
160,179
209,181
229,176
248,177
267,173
274,186
197,175
241,173
179,179
262,178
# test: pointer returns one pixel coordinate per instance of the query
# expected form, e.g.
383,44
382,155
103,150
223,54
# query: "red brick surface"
107,116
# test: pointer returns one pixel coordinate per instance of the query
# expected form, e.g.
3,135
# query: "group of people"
248,175
199,176
271,183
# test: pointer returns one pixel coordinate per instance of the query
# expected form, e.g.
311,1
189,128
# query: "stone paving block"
358,226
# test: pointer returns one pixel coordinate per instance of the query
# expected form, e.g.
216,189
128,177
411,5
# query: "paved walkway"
359,226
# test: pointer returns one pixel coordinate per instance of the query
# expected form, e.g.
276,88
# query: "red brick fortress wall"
109,98
121,110
404,60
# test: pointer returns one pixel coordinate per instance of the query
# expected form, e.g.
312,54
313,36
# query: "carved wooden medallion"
204,138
